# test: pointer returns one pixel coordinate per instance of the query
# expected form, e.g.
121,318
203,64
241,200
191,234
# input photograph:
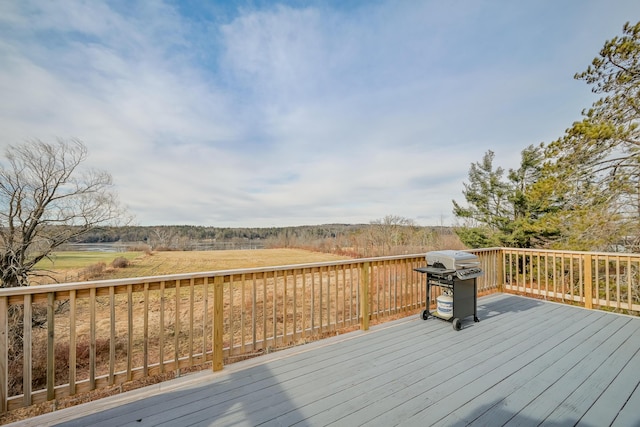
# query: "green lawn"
80,259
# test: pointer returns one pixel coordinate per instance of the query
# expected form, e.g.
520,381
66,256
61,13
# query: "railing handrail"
571,252
59,287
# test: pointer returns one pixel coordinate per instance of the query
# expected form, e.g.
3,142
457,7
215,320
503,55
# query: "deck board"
527,362
628,416
494,365
515,381
586,394
384,387
554,384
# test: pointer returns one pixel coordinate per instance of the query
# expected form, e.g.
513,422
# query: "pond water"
128,246
98,247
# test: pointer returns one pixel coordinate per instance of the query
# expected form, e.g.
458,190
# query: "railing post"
92,338
499,274
4,353
51,364
27,356
588,282
218,320
364,296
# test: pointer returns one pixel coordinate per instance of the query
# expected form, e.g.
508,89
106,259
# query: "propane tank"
445,306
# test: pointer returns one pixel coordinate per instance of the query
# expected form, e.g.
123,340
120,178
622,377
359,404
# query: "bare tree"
47,200
387,233
163,238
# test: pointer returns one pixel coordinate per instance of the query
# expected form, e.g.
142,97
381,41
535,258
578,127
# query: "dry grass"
161,263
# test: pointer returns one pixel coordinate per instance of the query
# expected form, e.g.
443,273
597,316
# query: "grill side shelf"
433,270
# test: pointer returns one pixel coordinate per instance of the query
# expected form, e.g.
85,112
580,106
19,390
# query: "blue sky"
259,113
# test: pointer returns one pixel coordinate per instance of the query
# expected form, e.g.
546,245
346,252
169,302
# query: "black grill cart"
455,272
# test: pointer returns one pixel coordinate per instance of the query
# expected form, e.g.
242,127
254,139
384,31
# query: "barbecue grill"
455,272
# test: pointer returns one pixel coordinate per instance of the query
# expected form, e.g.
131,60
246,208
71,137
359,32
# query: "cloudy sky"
260,113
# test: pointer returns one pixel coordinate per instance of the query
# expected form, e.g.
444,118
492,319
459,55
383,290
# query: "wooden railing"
62,340
591,279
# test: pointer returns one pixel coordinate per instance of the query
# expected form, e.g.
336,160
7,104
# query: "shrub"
94,270
120,262
61,354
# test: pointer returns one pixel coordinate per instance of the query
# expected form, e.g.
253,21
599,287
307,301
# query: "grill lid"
452,260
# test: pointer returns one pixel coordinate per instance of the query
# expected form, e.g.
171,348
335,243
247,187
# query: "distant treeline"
353,239
152,233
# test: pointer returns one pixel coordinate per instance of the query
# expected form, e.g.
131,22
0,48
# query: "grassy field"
81,259
79,266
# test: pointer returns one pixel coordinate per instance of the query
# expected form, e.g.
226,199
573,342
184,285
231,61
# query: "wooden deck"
527,362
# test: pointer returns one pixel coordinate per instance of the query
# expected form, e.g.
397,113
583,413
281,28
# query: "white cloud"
286,115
